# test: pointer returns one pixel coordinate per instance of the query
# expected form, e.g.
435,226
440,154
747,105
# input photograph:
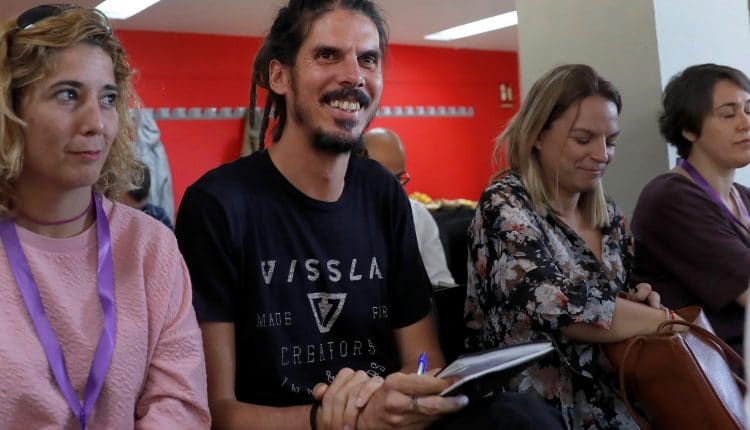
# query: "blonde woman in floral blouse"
550,253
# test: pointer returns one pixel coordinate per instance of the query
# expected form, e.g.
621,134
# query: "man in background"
138,198
385,147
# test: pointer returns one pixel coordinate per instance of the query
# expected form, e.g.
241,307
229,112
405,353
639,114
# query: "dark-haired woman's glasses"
36,14
403,177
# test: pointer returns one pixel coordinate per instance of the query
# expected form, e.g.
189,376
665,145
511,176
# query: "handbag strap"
642,423
740,383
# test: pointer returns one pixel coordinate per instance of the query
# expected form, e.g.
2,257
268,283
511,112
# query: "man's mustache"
347,93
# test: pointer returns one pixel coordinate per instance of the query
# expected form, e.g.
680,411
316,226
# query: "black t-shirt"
311,286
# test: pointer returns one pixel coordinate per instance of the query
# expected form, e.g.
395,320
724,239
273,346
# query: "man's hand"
644,294
342,401
409,402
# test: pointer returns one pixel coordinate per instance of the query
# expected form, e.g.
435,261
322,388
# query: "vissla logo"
326,308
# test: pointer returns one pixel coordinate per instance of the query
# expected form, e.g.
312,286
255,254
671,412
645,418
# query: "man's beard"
331,142
335,144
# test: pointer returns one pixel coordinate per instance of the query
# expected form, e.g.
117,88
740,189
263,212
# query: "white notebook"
499,362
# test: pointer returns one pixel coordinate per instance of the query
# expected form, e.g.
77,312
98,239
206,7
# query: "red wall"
447,157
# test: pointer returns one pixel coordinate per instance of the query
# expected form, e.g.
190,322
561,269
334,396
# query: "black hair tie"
314,415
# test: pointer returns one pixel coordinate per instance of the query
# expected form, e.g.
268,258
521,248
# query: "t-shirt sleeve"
514,269
206,241
409,286
687,235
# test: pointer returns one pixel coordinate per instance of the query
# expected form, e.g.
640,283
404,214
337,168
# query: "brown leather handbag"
681,379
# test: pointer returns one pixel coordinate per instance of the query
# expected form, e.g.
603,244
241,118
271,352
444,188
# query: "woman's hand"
644,294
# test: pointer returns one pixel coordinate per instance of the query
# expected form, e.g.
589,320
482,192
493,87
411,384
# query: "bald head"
384,146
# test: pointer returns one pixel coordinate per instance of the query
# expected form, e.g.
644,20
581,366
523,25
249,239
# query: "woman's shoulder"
668,197
139,234
506,189
671,190
668,183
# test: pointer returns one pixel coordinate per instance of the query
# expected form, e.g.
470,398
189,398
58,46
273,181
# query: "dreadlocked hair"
288,32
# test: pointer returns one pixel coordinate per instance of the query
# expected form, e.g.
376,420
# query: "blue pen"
422,363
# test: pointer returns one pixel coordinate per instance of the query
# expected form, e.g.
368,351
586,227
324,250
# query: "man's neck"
317,174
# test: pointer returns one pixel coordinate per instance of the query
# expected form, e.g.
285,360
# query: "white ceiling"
408,20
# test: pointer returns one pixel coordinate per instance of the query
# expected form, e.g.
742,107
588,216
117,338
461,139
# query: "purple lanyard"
701,181
30,293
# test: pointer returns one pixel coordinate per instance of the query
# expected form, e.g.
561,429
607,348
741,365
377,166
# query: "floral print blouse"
529,277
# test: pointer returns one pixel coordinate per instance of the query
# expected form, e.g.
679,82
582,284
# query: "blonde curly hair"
27,56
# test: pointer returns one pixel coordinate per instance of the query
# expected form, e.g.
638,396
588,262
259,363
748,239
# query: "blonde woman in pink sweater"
97,329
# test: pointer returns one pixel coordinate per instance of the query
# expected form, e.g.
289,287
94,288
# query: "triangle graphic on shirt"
326,308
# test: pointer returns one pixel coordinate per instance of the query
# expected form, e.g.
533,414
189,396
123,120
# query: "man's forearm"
235,415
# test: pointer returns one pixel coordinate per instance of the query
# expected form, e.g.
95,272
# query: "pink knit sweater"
157,379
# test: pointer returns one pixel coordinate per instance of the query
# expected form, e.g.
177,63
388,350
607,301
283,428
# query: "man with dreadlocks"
308,285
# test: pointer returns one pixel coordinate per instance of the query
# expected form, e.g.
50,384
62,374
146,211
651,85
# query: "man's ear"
279,77
689,135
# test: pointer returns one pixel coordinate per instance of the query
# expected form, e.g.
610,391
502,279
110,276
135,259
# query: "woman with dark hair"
691,225
550,255
98,329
